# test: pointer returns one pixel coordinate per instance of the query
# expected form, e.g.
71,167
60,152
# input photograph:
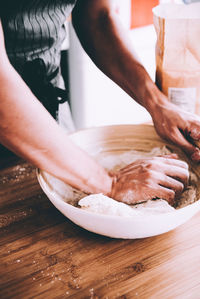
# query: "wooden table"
44,255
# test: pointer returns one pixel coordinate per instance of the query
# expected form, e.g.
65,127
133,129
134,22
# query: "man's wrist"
101,185
153,98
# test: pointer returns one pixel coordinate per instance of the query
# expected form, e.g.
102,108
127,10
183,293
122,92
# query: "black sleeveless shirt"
34,32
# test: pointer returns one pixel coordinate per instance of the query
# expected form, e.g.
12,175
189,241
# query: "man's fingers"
190,149
179,173
154,163
173,184
165,193
171,161
194,132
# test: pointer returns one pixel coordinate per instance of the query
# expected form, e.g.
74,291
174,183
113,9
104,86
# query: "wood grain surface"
44,255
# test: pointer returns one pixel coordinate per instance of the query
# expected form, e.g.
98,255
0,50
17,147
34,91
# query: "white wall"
95,99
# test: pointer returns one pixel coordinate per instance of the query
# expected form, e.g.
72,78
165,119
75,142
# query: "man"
31,34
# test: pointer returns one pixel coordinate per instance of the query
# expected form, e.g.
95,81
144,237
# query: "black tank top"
34,32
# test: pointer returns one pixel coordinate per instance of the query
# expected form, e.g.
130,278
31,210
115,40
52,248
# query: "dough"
99,203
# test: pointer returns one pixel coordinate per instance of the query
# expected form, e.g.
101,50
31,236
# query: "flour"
101,204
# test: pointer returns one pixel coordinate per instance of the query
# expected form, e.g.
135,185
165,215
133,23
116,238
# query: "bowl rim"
44,187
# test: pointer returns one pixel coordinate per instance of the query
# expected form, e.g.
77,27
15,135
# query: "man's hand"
178,126
150,178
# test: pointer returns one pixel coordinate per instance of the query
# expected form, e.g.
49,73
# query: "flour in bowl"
101,204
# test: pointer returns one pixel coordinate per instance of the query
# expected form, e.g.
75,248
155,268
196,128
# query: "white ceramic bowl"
112,139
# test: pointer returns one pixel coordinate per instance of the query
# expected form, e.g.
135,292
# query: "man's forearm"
107,43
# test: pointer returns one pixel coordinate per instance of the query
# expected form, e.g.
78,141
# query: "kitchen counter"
44,255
